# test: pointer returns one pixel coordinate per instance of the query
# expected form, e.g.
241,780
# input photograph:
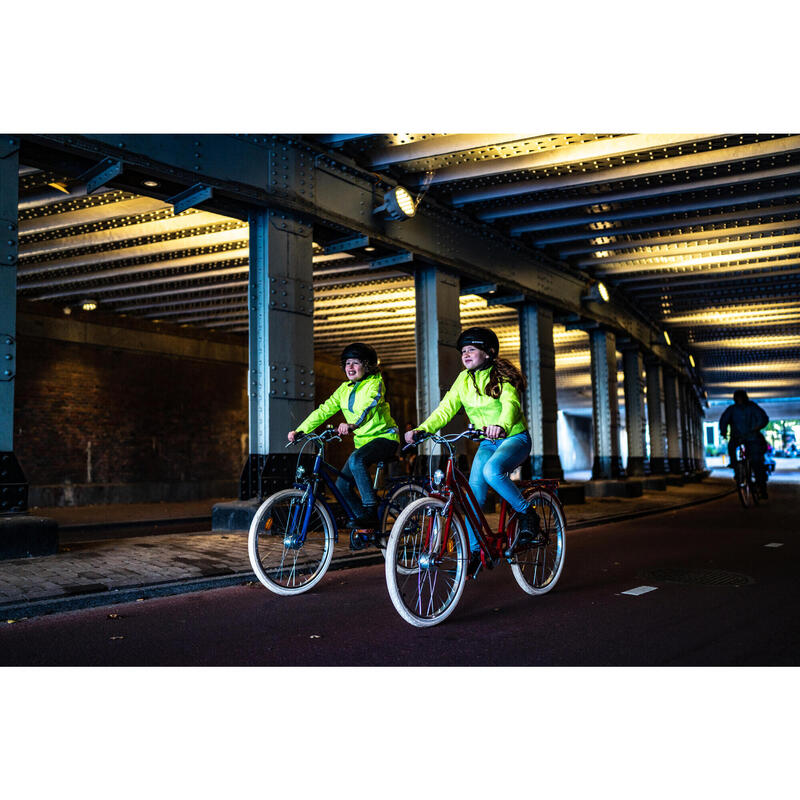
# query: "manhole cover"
703,577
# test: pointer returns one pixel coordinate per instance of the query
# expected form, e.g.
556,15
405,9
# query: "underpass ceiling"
699,232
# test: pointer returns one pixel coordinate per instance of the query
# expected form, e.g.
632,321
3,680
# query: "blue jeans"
495,459
357,467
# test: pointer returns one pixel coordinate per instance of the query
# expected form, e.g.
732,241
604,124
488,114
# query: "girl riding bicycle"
489,390
362,400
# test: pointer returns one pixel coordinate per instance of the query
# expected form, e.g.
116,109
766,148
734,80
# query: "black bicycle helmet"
482,338
364,353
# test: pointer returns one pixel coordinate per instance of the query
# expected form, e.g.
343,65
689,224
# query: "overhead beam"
659,166
611,147
298,179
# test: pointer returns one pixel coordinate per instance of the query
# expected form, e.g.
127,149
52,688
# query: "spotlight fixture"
691,359
597,292
667,339
397,204
89,304
152,184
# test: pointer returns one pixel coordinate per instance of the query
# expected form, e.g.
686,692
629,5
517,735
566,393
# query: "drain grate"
702,577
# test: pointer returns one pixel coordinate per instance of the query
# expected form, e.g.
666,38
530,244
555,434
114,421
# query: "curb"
130,594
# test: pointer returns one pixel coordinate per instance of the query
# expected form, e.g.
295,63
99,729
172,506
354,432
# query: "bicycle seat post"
378,468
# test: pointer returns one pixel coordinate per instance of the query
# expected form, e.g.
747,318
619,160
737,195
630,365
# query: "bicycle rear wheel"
537,567
424,575
283,559
744,484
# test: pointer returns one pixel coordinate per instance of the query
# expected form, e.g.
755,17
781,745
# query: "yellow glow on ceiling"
761,366
760,383
765,314
571,360
751,342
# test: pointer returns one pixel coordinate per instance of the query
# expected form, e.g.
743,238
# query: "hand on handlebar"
494,432
345,429
412,436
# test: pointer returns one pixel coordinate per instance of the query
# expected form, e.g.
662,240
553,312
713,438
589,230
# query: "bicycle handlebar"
328,435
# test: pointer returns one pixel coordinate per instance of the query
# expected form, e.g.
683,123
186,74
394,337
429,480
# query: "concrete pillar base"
655,482
235,515
25,536
614,488
637,467
606,468
674,480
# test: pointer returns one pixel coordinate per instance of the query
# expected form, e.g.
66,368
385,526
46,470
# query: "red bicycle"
427,554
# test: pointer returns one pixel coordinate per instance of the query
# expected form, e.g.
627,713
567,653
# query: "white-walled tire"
281,562
402,496
424,586
538,568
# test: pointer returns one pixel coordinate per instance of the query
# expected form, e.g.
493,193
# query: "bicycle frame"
329,474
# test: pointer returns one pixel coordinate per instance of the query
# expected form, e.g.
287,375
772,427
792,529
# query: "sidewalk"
115,570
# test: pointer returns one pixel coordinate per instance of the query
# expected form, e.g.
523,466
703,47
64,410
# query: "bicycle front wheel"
426,565
290,545
537,567
401,497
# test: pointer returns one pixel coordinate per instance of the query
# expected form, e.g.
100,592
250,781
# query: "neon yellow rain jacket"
364,405
482,410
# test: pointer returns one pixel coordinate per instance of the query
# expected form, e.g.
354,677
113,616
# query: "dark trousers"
357,467
755,452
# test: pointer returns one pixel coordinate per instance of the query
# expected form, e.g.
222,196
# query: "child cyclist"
362,400
489,390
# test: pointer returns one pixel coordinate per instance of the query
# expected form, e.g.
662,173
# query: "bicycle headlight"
301,471
438,477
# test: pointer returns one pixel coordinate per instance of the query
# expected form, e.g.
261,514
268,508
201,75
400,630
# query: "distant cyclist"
746,419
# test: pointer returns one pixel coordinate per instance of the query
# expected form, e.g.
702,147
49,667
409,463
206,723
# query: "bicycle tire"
538,568
744,485
424,593
402,496
290,570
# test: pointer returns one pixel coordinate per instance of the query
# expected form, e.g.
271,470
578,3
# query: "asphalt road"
727,593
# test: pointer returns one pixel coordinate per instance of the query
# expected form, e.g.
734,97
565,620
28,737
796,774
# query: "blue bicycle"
294,531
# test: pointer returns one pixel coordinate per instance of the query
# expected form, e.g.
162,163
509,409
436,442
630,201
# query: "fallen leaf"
10,621
114,616
140,599
116,637
315,636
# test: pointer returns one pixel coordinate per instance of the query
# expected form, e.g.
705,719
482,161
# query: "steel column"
685,425
437,327
281,305
673,412
538,359
635,419
605,406
13,486
659,464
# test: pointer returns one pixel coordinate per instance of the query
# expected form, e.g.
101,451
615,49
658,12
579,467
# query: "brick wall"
115,410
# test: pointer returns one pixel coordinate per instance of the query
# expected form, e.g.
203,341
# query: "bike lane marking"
640,590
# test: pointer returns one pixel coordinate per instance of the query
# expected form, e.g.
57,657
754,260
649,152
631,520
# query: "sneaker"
530,532
475,562
368,520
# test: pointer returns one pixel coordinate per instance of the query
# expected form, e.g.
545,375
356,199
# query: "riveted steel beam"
538,360
659,166
638,194
605,405
296,178
635,419
611,147
436,146
659,465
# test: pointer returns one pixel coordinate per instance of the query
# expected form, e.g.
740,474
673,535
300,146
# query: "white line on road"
641,590
774,544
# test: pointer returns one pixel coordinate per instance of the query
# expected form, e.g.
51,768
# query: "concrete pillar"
605,407
655,417
635,419
281,369
538,360
438,326
673,416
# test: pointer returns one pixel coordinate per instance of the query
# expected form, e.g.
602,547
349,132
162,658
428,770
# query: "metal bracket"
479,289
291,381
189,198
8,145
505,300
290,294
390,261
346,244
99,174
8,353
